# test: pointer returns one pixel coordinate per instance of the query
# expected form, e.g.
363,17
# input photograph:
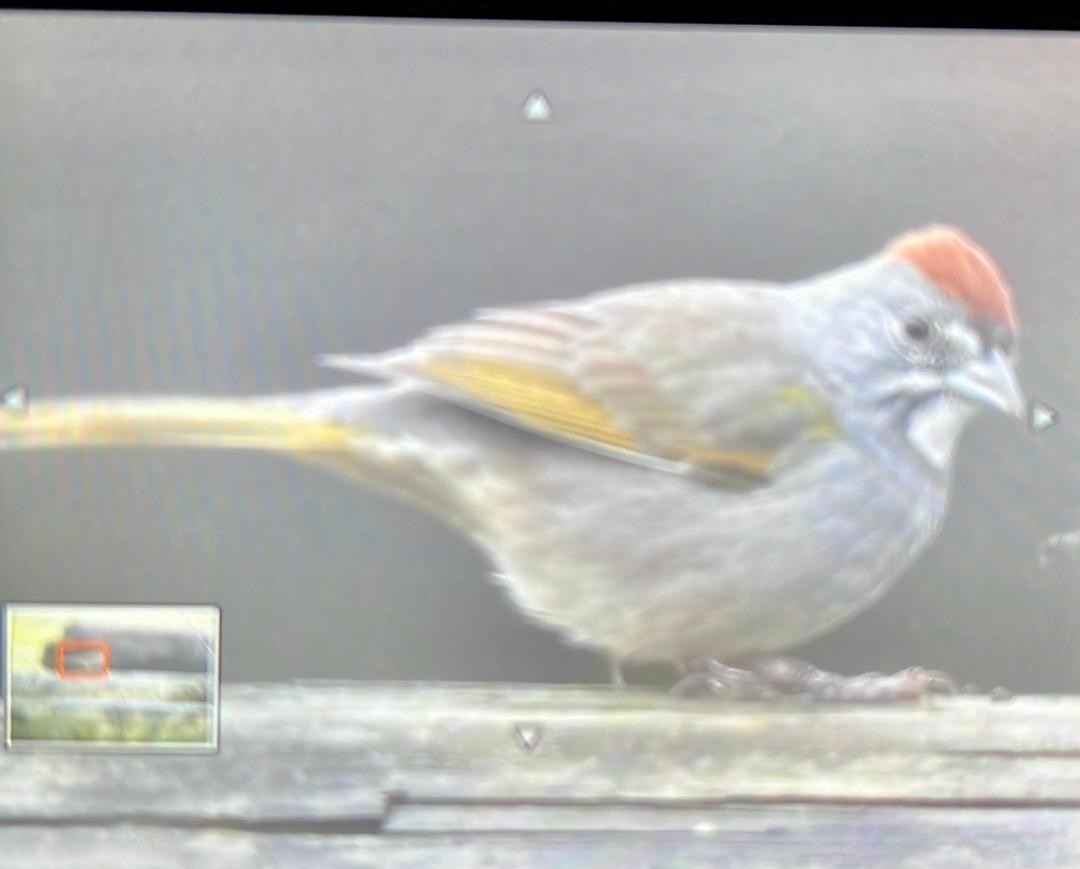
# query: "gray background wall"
204,205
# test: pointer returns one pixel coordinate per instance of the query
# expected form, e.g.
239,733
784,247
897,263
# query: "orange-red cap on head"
960,269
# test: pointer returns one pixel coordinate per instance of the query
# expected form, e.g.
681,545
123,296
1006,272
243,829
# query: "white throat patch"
934,428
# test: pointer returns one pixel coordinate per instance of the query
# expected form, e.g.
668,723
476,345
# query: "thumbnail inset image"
91,676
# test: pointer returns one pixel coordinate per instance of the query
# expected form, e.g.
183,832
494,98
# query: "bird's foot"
708,676
781,676
791,676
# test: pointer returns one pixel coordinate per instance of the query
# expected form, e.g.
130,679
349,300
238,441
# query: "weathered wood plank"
311,752
748,838
326,775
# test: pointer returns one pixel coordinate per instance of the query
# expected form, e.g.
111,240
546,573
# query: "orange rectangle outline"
65,646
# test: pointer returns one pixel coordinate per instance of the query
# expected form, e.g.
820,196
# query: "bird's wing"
697,376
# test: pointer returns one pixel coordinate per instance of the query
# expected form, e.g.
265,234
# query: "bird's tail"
333,429
155,421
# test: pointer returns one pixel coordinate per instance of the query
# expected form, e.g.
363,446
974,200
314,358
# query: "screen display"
491,352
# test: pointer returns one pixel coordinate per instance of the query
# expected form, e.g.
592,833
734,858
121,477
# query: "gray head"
915,340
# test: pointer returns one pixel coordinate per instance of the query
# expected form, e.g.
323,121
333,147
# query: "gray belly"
645,564
648,565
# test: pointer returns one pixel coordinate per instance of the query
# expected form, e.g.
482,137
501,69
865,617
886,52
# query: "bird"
701,472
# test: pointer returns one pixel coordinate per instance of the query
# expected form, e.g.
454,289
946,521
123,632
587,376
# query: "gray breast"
648,564
652,565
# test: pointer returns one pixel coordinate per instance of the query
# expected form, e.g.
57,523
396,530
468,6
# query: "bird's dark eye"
917,329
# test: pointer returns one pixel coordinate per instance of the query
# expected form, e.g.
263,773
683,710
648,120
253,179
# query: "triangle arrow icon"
15,400
528,735
1041,416
536,109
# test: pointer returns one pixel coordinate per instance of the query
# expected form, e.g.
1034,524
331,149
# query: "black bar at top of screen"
689,12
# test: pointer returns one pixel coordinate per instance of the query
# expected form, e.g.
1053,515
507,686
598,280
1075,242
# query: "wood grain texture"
857,839
335,774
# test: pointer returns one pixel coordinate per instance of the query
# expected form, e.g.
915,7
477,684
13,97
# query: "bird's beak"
989,381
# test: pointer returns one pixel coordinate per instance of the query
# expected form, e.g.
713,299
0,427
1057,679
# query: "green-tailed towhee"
689,471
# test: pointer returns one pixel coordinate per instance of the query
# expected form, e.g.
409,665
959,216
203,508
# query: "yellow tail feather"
286,426
153,421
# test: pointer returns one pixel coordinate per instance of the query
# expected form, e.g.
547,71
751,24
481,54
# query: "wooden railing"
334,774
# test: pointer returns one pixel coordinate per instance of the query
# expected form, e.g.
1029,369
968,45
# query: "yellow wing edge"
551,404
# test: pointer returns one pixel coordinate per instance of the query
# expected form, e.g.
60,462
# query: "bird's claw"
715,679
781,676
914,683
931,681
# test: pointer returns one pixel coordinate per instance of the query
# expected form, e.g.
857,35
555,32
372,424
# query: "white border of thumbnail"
213,746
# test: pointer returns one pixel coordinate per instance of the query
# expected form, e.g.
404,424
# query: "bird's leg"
791,676
708,676
618,678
